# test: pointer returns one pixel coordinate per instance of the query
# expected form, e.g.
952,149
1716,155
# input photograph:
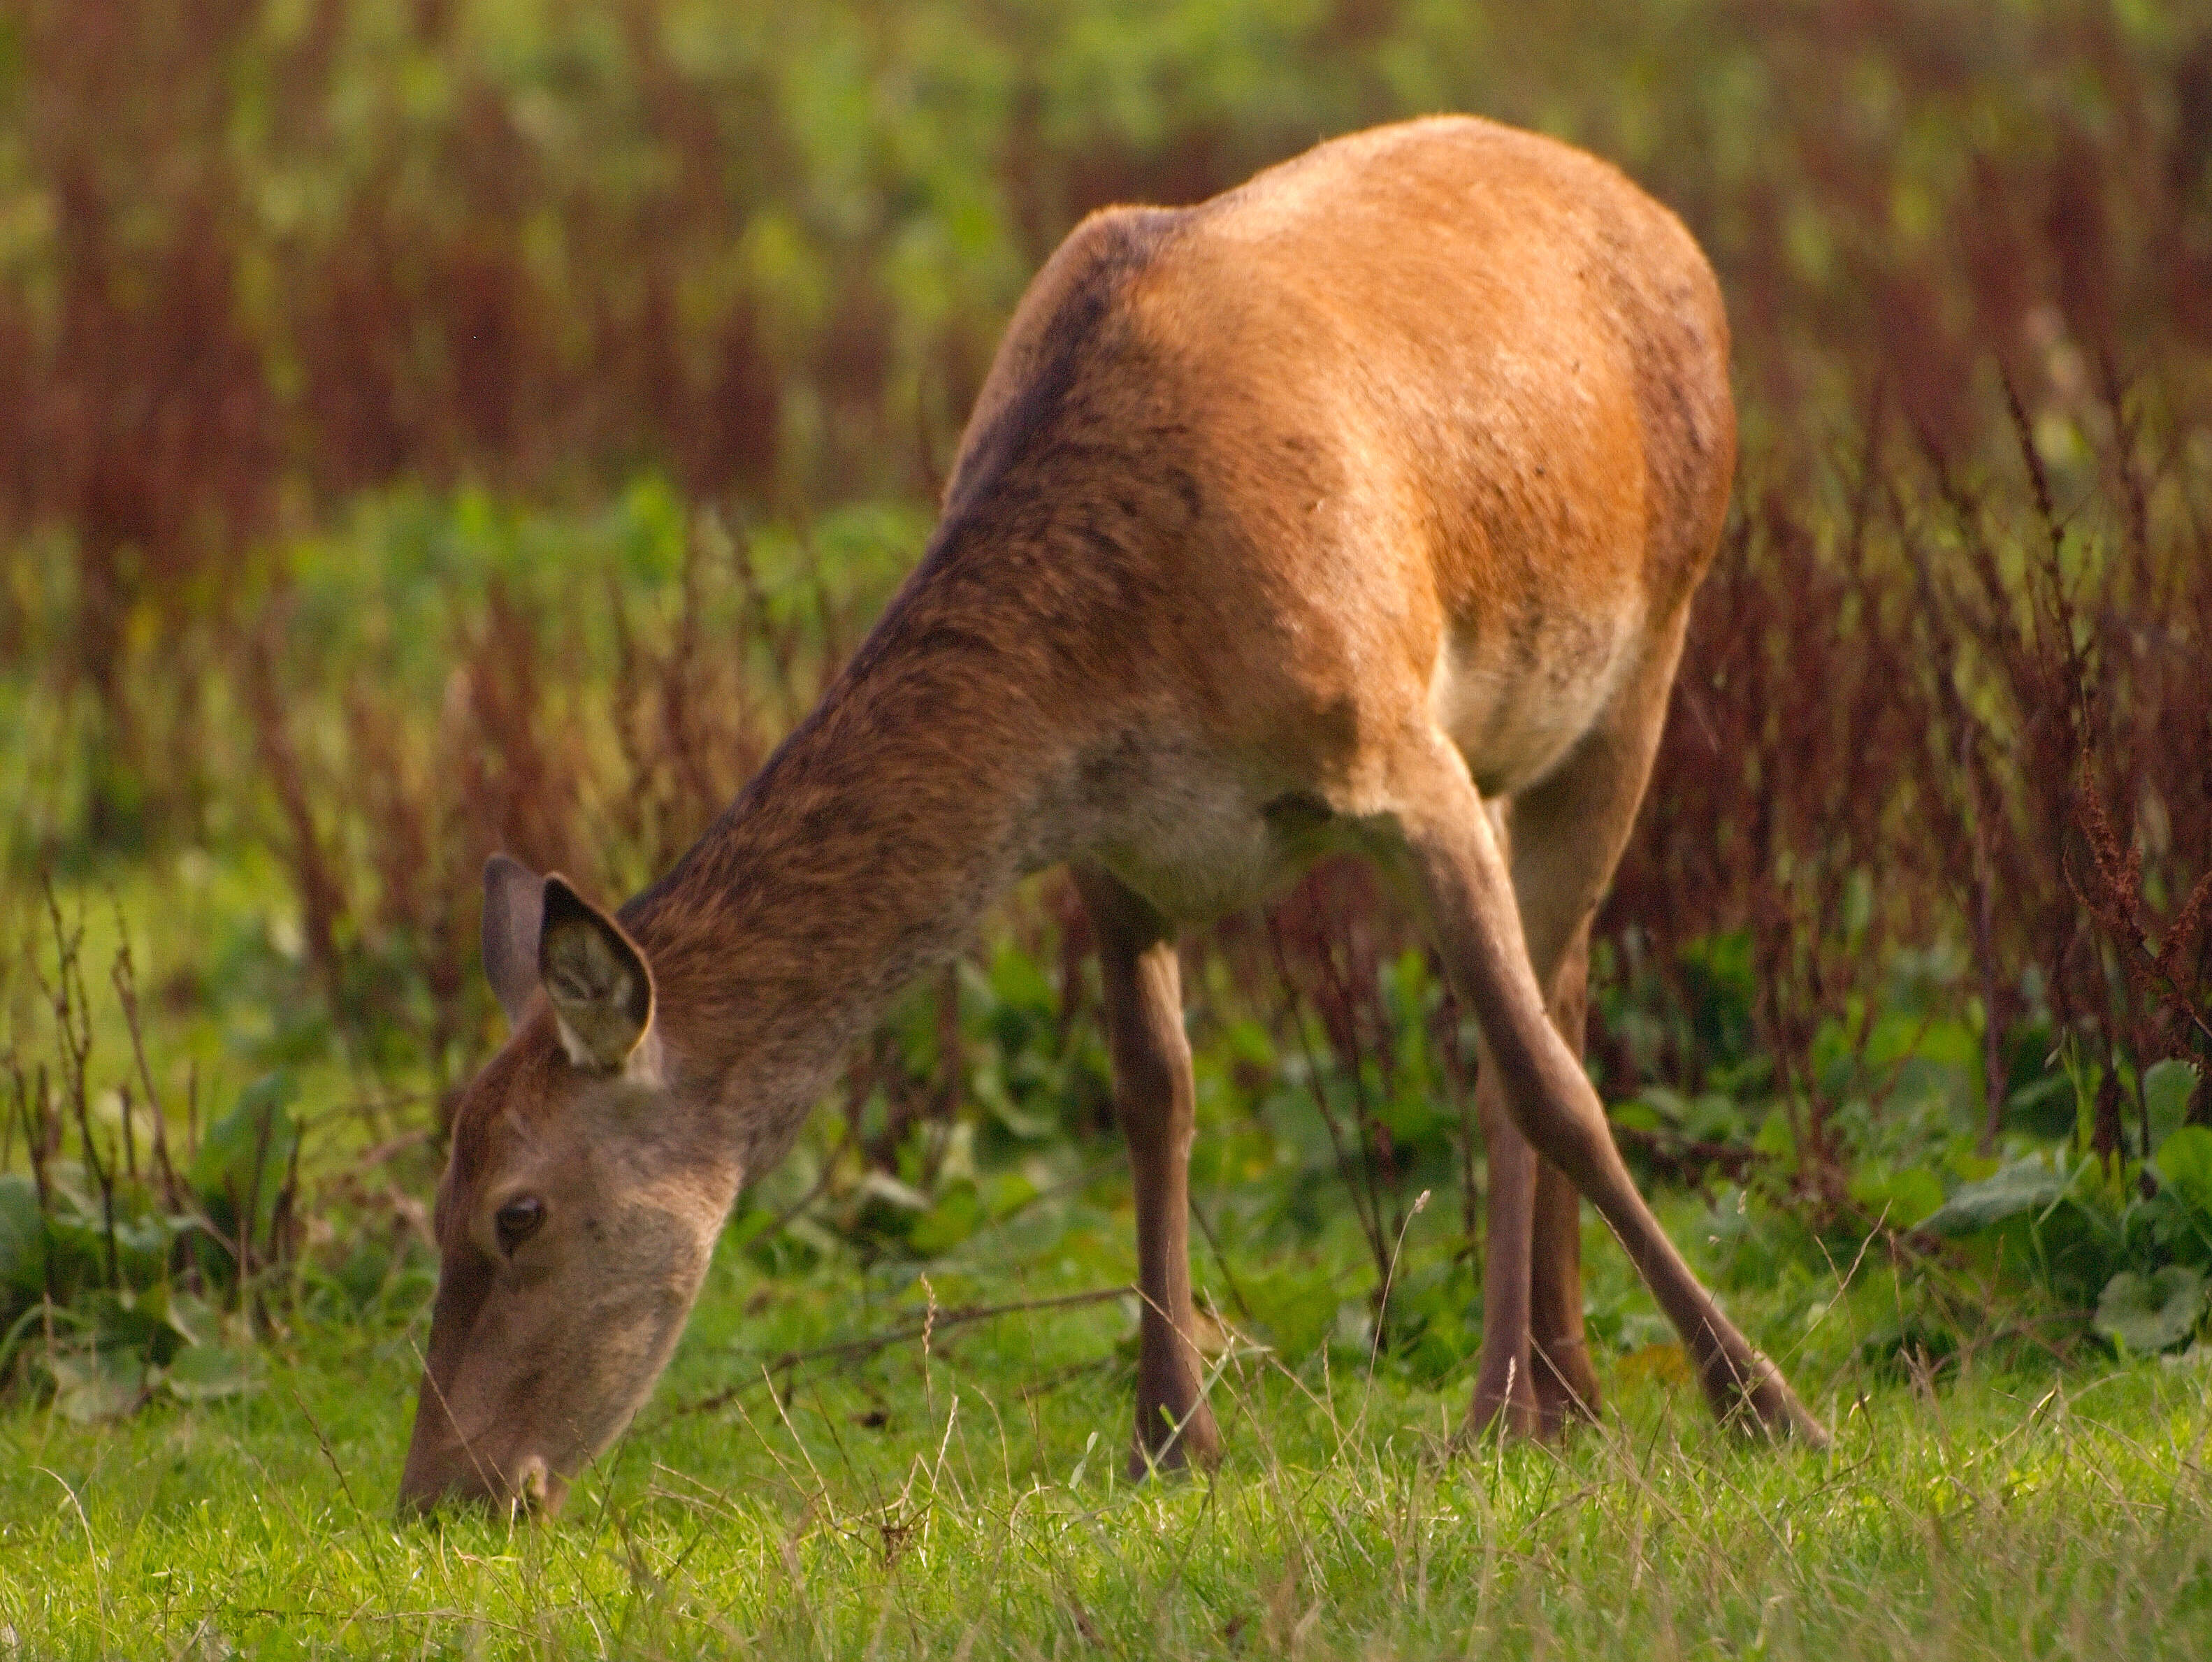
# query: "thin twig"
854,1349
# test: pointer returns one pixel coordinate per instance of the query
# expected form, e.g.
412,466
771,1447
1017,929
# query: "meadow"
484,425
968,1500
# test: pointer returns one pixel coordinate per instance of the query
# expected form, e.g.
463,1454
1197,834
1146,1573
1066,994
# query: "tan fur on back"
1431,419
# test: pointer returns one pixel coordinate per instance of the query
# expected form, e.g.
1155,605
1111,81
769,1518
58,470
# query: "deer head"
575,1218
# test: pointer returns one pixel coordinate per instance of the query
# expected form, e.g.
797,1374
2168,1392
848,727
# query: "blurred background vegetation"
435,428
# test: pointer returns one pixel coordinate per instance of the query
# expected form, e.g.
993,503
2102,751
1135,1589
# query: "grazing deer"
1358,507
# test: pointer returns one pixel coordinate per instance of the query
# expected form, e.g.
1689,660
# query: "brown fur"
1360,506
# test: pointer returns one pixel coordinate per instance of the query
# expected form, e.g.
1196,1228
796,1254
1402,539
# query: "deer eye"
518,1221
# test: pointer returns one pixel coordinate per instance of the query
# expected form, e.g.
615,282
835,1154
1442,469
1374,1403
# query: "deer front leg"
1155,1100
1503,1384
1536,1375
1565,1379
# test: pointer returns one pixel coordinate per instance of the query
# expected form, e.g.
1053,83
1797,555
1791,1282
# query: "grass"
966,1498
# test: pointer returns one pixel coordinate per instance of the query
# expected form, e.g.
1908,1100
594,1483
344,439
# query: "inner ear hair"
595,979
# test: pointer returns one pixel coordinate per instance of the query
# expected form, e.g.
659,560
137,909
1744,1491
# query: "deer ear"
514,907
595,977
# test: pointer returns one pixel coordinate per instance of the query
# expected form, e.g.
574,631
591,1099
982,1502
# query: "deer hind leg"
1562,838
1566,837
1564,848
1155,1100
1504,1383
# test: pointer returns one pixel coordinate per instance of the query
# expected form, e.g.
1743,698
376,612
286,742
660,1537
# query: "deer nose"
430,1486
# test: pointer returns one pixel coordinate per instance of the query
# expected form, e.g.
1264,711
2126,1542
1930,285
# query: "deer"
1357,508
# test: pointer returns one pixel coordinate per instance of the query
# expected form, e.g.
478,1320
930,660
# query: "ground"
968,1498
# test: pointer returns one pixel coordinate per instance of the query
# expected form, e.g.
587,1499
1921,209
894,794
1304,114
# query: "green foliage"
2152,1313
2134,1238
239,1173
2184,1165
2168,1087
112,1289
23,1237
2030,1185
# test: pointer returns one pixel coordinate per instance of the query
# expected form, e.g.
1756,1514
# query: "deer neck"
863,852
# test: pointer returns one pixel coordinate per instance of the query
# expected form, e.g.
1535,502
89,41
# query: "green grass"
970,1502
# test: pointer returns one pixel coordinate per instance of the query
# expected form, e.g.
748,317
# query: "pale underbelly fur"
1516,717
1199,837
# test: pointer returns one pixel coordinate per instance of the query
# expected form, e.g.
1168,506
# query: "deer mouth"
538,1492
457,1476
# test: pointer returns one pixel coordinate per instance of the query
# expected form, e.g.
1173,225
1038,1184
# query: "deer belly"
1193,838
1516,705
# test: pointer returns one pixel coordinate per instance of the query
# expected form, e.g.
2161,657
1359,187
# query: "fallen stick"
853,1350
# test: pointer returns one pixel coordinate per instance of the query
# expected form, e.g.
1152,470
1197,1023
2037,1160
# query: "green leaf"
2044,1106
1637,1115
98,1385
1006,1192
1901,1198
2025,1185
882,1187
2184,1164
1774,1139
204,1372
1021,1123
128,1321
242,1159
1666,1106
957,1215
1716,1118
2166,1088
2151,1312
23,1237
190,1319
